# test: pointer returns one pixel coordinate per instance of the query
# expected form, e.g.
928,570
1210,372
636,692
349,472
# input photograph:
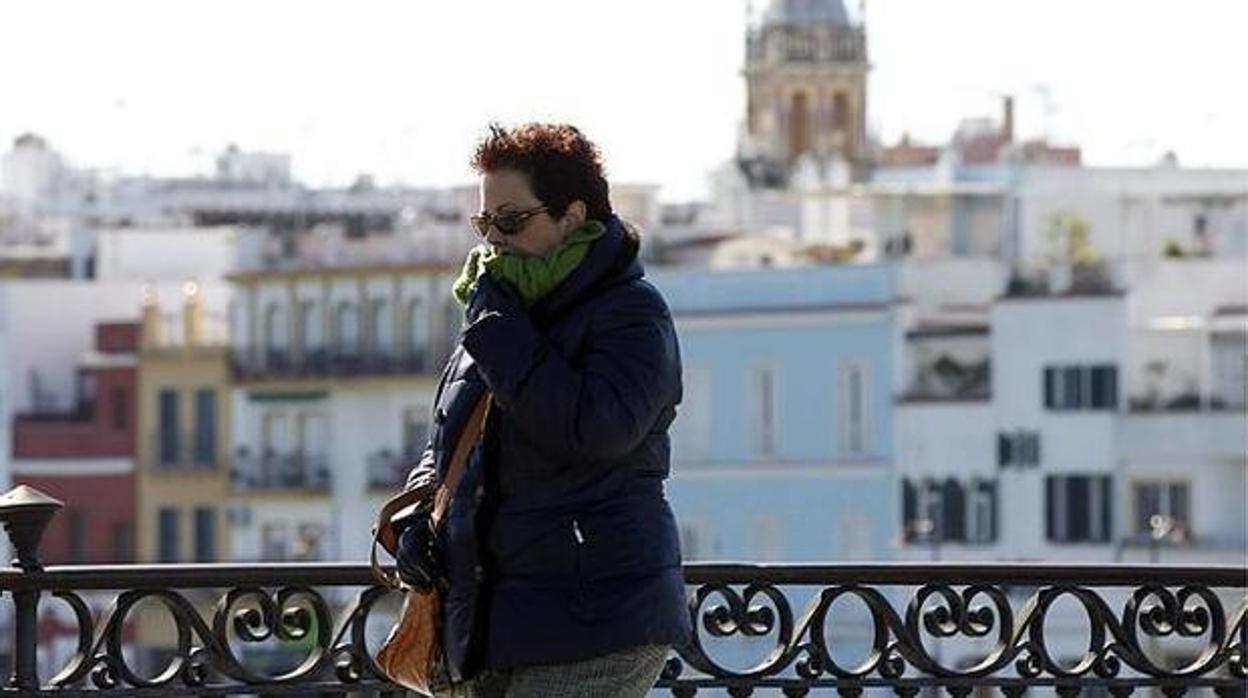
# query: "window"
121,409
76,543
205,534
853,390
168,534
379,334
1018,449
983,513
1081,387
1166,505
953,511
415,432
799,124
307,327
1229,359
311,436
691,431
417,326
840,112
169,446
936,511
1078,508
205,427
346,328
274,328
765,416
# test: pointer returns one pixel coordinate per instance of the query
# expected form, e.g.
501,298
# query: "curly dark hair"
562,165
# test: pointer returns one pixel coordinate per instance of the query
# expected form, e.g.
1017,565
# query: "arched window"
840,112
380,326
346,328
799,124
274,327
308,327
417,326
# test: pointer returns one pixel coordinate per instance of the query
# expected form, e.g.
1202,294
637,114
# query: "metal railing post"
25,513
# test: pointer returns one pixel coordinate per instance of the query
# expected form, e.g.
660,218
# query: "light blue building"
783,443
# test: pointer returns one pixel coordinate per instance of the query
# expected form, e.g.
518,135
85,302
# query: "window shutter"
1050,386
993,522
1050,507
1074,391
1107,519
1079,507
909,509
1003,450
953,526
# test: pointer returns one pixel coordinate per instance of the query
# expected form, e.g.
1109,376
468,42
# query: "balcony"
387,471
181,452
252,364
949,380
1140,629
271,471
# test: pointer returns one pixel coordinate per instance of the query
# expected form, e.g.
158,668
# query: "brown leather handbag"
412,652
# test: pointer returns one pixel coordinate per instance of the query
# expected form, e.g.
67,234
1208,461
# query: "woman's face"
504,191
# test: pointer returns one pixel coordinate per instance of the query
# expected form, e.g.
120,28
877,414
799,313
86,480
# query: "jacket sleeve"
424,471
599,405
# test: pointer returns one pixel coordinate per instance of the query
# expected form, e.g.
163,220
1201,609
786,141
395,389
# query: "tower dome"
806,13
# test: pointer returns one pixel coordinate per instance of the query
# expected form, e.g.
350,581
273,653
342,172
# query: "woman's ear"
574,217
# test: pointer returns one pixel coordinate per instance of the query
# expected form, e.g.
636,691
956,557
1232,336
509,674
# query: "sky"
402,90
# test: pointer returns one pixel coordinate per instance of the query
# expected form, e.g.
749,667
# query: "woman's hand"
491,296
414,557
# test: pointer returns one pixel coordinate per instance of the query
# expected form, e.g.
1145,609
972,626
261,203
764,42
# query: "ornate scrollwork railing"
778,627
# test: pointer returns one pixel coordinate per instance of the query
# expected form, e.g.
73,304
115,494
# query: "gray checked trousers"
630,673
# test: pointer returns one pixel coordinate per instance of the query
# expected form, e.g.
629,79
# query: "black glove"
491,296
415,557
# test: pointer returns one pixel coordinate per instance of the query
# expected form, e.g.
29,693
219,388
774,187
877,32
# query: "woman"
560,555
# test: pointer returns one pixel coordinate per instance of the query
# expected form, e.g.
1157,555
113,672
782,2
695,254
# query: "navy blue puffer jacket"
559,544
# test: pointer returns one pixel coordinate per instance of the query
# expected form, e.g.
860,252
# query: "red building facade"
84,456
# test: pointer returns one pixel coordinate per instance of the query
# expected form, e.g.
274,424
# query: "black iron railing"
273,471
258,364
790,618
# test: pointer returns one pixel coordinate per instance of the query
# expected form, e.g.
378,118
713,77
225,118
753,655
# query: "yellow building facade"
183,455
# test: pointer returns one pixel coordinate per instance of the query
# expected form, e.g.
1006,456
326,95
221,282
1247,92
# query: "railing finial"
25,513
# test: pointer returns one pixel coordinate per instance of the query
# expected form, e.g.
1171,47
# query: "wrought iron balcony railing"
1005,618
182,451
387,470
272,471
257,364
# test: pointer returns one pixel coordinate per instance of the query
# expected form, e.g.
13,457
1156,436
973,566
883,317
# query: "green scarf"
532,276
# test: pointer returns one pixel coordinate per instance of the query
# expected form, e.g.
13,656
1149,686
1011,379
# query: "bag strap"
439,492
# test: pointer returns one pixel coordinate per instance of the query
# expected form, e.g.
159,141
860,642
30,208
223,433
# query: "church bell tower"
806,85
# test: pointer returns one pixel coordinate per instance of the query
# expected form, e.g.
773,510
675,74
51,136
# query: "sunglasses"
507,222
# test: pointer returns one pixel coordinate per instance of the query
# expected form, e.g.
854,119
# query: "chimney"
192,316
1007,118
150,328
